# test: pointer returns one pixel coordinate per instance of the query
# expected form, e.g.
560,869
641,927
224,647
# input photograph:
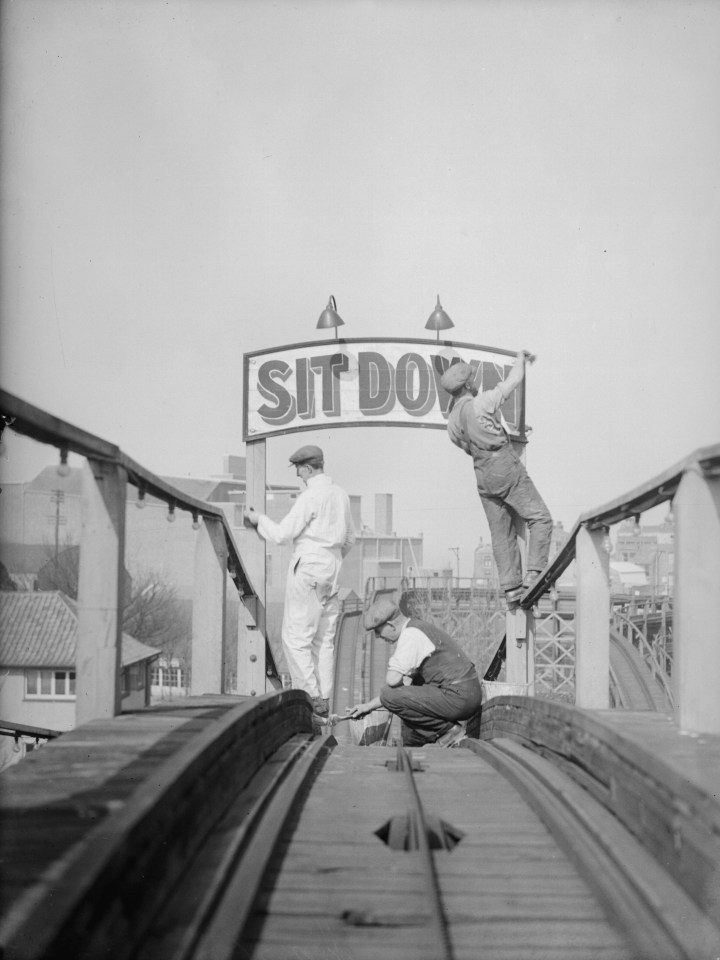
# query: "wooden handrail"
648,495
37,424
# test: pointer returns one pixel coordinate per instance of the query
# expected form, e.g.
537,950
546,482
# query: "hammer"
332,719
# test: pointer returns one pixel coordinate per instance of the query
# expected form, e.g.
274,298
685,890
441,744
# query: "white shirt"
319,520
413,646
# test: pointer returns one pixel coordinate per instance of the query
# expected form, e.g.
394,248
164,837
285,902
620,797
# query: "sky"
187,181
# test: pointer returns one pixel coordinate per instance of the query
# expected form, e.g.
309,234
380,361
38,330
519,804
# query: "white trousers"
309,621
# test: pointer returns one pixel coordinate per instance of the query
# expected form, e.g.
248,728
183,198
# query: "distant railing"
654,652
693,488
474,615
102,544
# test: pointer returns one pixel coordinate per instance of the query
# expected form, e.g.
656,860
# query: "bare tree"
155,615
60,571
152,611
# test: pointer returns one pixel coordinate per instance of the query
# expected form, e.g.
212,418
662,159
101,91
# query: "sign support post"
251,667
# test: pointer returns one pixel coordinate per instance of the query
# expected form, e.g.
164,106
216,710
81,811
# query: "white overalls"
320,527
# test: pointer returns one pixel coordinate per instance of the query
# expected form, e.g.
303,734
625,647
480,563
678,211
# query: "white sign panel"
341,383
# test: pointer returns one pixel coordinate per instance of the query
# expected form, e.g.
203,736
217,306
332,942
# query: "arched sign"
364,382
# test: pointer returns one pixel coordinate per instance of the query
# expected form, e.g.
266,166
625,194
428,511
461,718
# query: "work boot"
530,577
513,595
452,738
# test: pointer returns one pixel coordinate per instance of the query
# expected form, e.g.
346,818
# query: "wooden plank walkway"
509,891
341,893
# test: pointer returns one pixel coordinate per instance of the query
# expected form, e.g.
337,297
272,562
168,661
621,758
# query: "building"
485,571
626,577
379,553
652,548
40,523
37,662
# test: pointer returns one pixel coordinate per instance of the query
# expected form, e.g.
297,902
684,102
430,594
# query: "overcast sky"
189,180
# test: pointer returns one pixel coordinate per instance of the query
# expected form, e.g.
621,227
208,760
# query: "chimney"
235,467
355,512
383,513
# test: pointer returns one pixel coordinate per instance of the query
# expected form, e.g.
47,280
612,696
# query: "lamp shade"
438,319
329,317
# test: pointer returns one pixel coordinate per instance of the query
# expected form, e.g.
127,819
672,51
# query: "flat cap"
380,612
456,376
306,453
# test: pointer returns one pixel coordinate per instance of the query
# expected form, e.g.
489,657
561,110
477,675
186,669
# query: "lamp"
330,317
62,468
438,320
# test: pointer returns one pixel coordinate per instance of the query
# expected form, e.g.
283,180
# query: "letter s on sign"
268,387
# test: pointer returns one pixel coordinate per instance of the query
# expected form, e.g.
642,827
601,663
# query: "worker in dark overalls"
475,424
431,684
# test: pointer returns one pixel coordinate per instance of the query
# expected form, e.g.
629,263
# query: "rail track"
235,901
254,839
634,685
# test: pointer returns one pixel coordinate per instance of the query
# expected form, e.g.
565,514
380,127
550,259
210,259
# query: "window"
50,684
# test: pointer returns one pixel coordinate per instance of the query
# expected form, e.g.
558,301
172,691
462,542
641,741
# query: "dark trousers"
507,492
427,711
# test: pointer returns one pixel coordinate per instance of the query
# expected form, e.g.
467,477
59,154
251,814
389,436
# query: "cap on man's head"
306,454
456,377
380,612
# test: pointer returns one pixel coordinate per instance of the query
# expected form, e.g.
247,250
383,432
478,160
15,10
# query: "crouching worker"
431,684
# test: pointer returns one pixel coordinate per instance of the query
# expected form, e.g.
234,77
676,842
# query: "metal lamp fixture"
438,320
330,317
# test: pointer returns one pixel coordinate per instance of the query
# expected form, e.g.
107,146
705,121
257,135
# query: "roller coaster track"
640,897
632,683
210,916
253,839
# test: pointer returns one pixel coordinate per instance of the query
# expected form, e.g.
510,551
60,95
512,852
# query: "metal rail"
216,928
421,842
31,421
658,490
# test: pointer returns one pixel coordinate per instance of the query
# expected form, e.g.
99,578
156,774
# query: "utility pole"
456,551
58,497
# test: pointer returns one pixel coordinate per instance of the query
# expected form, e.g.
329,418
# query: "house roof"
198,487
624,566
49,480
40,630
24,557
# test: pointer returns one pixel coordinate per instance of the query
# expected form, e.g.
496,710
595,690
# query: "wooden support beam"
519,661
592,620
100,591
208,614
251,676
696,651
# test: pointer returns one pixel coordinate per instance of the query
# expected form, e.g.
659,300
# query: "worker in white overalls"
321,529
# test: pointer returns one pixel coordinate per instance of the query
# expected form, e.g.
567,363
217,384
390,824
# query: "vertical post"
100,592
696,652
251,677
208,609
519,449
518,657
592,620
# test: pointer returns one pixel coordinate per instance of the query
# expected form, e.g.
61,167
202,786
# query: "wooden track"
222,828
